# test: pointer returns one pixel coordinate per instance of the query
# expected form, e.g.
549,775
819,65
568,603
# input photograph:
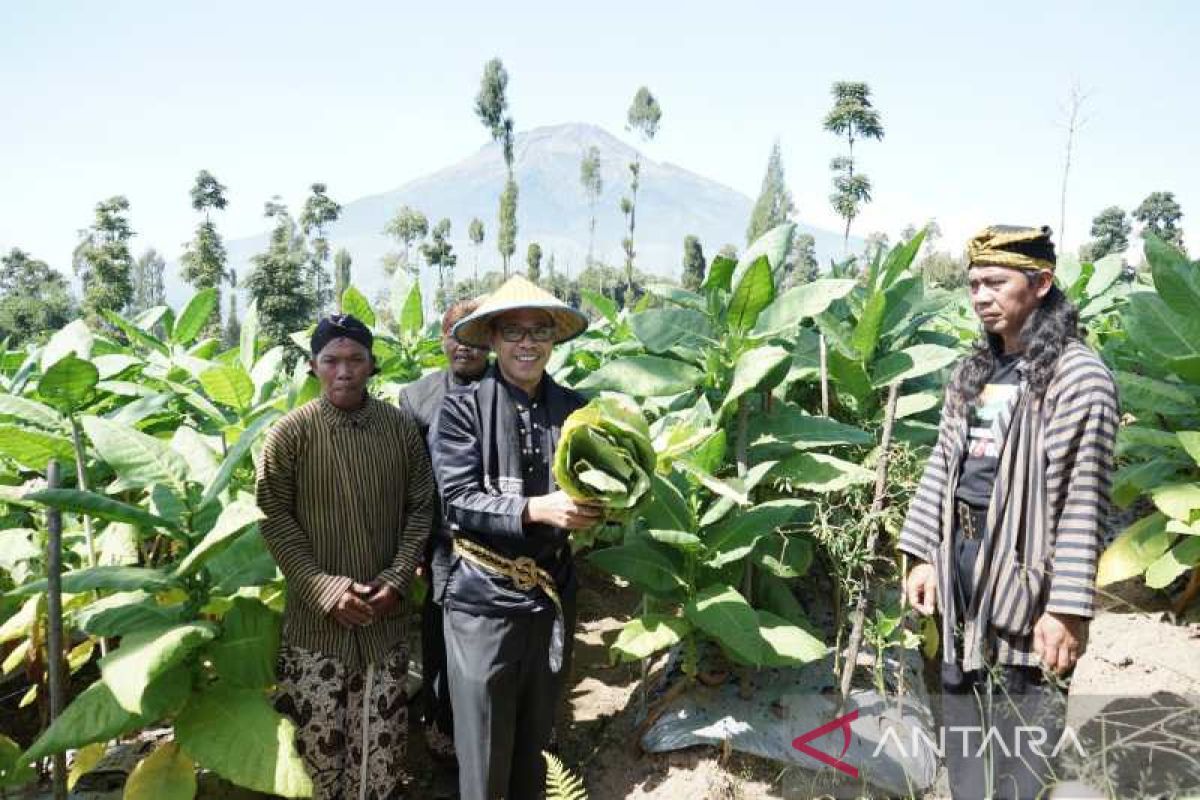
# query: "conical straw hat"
517,293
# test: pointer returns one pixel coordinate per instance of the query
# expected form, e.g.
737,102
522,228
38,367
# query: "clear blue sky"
135,97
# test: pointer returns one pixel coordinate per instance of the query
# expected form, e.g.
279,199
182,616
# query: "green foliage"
147,280
593,185
319,212
854,117
693,263
774,204
203,262
439,254
1110,234
533,258
34,299
406,227
102,259
560,783
506,242
1159,214
277,282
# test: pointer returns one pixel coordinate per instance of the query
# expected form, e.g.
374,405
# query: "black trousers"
1001,723
435,712
504,698
1001,726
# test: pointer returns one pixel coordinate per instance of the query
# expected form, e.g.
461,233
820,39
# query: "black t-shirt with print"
982,457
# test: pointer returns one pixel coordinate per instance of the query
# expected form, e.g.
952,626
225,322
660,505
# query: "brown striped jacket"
1046,520
348,496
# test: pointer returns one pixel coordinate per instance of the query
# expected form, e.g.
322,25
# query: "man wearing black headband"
346,487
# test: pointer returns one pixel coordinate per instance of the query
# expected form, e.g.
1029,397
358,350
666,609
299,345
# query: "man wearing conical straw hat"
509,602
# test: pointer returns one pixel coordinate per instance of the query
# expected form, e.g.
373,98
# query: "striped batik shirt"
1046,521
348,496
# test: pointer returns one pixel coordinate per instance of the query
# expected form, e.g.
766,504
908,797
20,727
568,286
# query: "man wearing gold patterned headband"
1009,518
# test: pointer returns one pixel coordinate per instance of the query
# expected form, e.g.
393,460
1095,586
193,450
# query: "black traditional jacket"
493,449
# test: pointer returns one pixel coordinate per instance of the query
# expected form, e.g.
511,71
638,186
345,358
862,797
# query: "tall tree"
203,261
285,304
800,264
319,212
1074,120
533,258
341,275
439,254
693,263
147,280
774,204
35,300
593,185
854,117
491,106
643,118
406,227
1110,234
475,234
233,326
102,259
1159,214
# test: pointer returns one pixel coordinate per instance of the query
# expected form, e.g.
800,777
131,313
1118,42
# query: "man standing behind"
1007,523
510,598
345,484
423,399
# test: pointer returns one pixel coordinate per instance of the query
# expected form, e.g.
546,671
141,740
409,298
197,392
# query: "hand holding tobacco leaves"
605,458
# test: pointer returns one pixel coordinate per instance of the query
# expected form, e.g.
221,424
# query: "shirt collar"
518,394
338,418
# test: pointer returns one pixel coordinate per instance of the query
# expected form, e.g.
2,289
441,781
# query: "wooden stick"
860,608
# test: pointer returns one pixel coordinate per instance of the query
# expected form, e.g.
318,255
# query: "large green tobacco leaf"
229,386
234,519
197,452
1134,479
120,578
900,258
720,273
246,562
1152,396
774,594
354,303
33,448
650,567
244,654
74,339
910,405
784,556
911,362
799,303
69,383
753,292
643,376
125,612
1105,273
31,412
787,428
1191,443
165,774
676,295
1176,561
759,369
667,508
1157,330
819,472
146,655
1138,546
139,460
134,333
772,245
1176,278
111,365
96,716
235,733
98,506
785,644
660,329
646,635
1179,501
734,537
866,332
605,306
722,613
412,317
195,316
247,346
235,454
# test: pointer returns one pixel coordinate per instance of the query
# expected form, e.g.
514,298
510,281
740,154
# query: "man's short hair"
457,311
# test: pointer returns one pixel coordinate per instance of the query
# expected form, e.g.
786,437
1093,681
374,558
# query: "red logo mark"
843,722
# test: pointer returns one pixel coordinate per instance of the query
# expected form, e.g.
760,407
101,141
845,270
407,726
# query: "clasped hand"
363,603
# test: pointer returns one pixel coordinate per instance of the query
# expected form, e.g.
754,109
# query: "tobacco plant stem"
860,607
81,480
741,449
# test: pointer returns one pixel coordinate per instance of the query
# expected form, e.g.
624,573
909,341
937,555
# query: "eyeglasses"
515,333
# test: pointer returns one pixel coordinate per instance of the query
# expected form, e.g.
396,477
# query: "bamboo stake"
860,608
54,627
